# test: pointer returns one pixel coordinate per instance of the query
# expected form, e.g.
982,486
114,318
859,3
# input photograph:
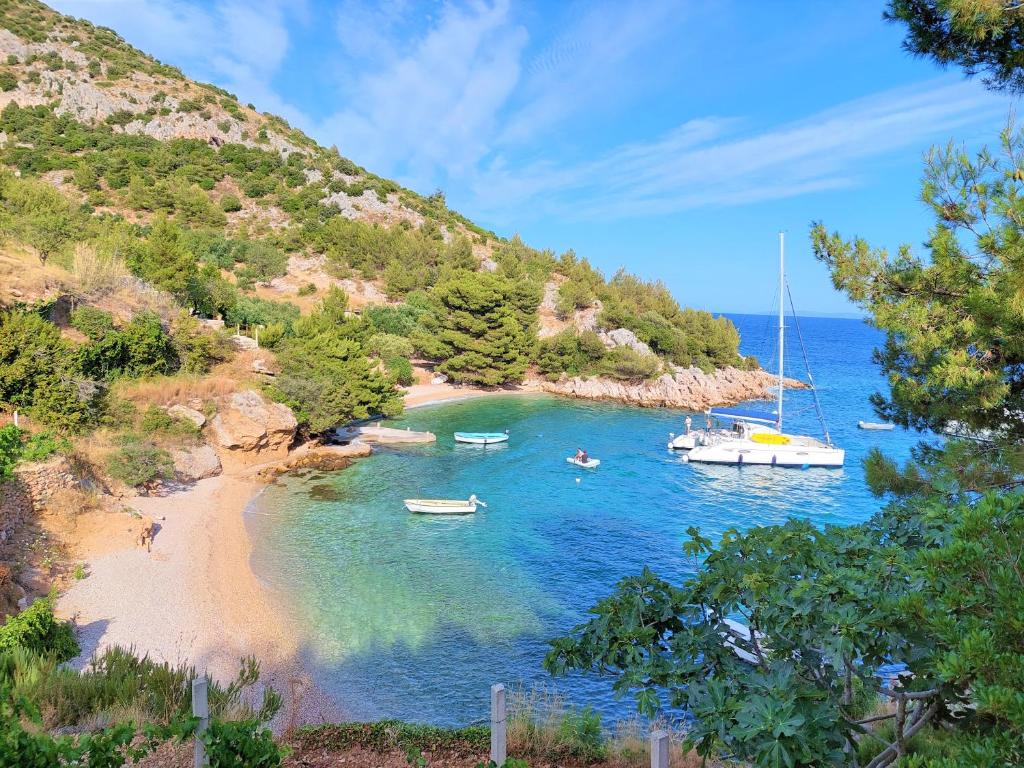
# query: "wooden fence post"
499,734
659,749
200,709
15,417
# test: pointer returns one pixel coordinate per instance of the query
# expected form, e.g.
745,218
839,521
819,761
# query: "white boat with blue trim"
481,438
757,438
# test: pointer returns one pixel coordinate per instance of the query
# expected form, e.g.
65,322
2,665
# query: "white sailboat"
759,439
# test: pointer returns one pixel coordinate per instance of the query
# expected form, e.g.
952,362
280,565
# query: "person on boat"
581,456
688,423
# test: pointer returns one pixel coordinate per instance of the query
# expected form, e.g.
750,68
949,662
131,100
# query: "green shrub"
39,373
401,369
140,463
241,744
8,82
10,450
570,353
41,445
230,204
38,631
387,346
307,290
156,421
93,322
628,365
581,736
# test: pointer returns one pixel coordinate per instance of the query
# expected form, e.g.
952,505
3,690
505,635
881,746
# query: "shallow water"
414,617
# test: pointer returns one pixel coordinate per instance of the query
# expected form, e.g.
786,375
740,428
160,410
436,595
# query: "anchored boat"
875,425
481,438
588,464
444,506
758,438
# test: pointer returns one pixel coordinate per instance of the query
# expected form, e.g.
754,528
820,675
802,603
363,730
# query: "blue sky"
673,138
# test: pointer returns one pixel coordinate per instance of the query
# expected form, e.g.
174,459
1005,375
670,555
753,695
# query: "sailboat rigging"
758,439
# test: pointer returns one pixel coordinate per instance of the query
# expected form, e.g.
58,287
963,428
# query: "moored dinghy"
588,464
481,438
875,425
444,506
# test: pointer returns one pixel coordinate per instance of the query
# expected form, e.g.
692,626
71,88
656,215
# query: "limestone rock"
192,464
685,388
188,414
249,423
623,337
244,343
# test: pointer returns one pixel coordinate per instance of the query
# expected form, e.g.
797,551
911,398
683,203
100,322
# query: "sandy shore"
429,394
194,598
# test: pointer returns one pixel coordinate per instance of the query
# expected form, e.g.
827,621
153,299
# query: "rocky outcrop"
192,464
248,426
187,414
623,337
325,458
686,388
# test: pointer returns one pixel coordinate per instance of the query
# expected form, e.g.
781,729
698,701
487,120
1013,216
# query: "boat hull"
876,426
591,464
481,438
766,455
439,507
684,442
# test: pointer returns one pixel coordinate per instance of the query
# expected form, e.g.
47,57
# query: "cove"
414,617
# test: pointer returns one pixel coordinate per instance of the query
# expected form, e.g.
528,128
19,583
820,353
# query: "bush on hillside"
571,354
93,322
230,204
38,631
627,364
140,463
39,373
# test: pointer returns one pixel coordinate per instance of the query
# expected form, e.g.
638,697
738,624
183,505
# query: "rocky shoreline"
686,388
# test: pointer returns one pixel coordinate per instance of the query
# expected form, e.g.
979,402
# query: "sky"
672,138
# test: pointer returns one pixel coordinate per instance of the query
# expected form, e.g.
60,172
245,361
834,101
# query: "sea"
415,617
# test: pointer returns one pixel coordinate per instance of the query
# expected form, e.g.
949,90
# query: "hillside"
144,213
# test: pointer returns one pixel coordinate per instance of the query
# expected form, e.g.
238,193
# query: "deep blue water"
414,617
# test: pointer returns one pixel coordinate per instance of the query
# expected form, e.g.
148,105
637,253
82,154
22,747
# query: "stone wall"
44,478
15,507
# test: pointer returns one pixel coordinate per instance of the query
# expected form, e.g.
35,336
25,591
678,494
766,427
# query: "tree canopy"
982,36
482,328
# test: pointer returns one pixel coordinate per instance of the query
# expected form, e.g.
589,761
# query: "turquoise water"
414,617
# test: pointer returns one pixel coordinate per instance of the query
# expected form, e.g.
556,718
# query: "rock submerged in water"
686,388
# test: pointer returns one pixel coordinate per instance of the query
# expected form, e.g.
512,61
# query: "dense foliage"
481,328
326,376
981,37
37,693
38,631
954,351
781,641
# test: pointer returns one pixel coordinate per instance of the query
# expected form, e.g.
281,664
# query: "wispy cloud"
431,105
722,162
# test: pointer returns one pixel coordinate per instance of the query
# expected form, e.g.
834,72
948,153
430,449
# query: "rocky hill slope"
252,223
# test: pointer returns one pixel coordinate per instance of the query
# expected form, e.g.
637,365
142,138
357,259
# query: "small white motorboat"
876,425
588,464
444,506
481,438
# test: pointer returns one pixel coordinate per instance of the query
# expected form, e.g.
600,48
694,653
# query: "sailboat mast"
782,323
